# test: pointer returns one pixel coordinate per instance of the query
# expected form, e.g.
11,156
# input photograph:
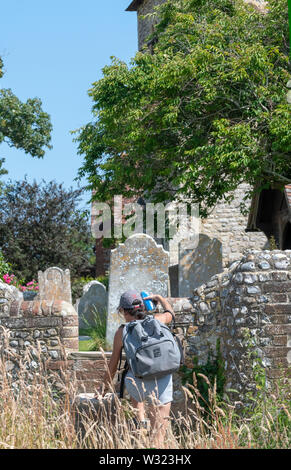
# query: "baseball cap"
128,298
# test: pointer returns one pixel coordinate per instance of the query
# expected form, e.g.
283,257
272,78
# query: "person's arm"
113,363
169,314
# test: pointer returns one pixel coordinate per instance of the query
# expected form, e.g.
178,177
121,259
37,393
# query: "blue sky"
55,50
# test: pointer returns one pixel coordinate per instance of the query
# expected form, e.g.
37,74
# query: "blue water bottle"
149,305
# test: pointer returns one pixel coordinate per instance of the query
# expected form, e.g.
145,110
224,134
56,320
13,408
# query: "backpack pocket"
156,359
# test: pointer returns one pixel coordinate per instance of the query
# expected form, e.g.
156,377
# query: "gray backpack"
151,349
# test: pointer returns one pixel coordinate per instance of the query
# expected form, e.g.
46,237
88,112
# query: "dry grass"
38,412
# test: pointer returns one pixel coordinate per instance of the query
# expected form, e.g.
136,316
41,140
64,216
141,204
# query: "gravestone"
8,294
198,265
55,284
92,306
138,264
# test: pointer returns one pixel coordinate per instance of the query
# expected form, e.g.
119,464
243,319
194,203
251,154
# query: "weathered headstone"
138,264
198,265
7,296
55,284
92,306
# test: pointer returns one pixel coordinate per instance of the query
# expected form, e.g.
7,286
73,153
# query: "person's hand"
154,297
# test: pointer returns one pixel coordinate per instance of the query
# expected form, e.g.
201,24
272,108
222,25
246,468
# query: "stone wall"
84,369
258,304
247,308
226,225
50,328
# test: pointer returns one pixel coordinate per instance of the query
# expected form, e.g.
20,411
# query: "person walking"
157,391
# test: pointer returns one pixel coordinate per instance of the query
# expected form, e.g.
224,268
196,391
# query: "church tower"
145,26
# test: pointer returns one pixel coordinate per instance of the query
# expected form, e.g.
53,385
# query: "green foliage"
4,266
23,125
273,243
203,113
97,332
214,372
41,226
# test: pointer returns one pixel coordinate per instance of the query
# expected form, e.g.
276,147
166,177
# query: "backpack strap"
181,349
122,380
120,357
124,372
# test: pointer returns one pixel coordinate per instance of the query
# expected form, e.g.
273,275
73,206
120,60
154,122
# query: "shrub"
41,226
4,266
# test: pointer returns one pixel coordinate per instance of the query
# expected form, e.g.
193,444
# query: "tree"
41,226
23,125
204,112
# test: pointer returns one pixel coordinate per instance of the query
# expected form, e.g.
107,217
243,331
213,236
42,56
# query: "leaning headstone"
138,264
198,265
55,284
92,306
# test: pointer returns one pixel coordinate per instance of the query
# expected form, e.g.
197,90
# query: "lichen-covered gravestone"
138,264
8,294
198,265
92,306
55,284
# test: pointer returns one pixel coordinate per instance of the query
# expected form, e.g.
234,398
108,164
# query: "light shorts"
158,391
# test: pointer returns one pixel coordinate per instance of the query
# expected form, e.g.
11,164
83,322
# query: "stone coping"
93,355
37,308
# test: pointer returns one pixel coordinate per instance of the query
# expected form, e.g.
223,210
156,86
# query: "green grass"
86,345
97,332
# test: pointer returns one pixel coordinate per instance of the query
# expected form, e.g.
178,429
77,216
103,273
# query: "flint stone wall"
48,327
253,296
258,302
248,308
